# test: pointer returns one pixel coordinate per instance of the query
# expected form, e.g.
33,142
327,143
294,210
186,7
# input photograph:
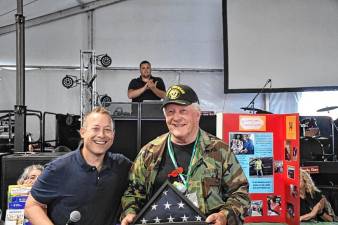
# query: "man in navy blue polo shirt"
90,180
146,87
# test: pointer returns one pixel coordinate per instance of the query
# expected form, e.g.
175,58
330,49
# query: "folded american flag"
169,206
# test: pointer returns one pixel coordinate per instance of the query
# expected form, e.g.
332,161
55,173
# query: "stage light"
105,60
69,82
105,100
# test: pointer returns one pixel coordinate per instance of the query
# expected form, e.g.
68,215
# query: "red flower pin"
176,172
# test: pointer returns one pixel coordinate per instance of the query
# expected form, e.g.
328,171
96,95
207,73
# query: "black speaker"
125,141
151,129
208,123
67,130
311,149
2,154
13,165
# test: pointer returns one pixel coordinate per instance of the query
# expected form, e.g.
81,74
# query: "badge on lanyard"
180,186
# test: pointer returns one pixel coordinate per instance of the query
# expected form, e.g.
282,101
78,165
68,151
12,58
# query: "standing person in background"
89,180
211,174
146,87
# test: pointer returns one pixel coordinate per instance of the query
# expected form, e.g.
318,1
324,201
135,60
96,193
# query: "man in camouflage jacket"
216,176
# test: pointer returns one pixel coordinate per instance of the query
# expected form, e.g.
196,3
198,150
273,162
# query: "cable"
15,8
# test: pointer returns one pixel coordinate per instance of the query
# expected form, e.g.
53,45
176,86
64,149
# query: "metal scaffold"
88,93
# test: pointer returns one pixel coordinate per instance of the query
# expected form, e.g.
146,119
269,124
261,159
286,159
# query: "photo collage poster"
267,147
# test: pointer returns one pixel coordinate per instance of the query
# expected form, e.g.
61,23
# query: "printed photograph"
261,167
256,208
274,203
294,153
291,172
290,210
278,166
287,150
293,190
242,143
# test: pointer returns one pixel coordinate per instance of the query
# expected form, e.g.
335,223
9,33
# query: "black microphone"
90,83
252,103
74,217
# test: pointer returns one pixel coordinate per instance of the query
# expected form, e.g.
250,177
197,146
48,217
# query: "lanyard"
172,157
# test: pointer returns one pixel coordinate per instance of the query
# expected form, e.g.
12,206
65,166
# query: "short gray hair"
25,174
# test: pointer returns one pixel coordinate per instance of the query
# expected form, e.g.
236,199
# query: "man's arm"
134,197
36,212
157,91
134,93
235,188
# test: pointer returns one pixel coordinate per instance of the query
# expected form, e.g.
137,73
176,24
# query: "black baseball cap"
180,94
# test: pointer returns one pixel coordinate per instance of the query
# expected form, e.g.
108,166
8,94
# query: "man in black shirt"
90,180
146,87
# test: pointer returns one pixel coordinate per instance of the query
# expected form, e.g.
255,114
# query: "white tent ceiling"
34,8
41,11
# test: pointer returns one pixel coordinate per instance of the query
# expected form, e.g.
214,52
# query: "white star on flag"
171,219
198,218
181,205
167,205
157,220
153,207
184,218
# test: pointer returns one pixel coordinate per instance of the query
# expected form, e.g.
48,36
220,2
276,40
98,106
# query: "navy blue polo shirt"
69,183
148,94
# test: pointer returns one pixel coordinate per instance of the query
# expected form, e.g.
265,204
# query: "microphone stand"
252,103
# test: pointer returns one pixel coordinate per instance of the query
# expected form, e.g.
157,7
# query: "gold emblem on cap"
175,92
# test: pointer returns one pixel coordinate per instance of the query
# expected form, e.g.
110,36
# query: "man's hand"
216,219
151,84
128,219
145,87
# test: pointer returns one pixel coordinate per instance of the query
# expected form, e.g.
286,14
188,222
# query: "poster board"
267,147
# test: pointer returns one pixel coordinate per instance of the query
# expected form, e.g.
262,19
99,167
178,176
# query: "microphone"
252,103
90,83
74,217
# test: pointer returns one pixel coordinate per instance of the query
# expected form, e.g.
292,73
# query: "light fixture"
68,81
105,100
105,60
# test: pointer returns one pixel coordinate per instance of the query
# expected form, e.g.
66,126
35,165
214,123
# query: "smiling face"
97,134
182,122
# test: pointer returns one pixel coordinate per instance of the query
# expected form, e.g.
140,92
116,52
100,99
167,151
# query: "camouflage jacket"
217,178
